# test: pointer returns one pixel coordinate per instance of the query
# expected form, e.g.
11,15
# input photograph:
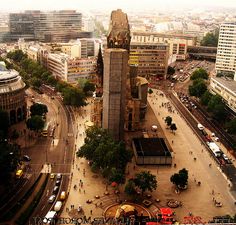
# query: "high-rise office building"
54,26
226,51
114,91
151,60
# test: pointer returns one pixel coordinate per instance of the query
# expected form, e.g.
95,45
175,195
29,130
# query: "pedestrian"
172,142
100,203
91,211
84,191
212,192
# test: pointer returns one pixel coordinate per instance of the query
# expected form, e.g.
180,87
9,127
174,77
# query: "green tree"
9,158
88,87
206,97
105,154
211,39
35,82
145,181
150,91
4,124
82,82
117,176
199,74
38,109
231,126
51,80
215,100
73,96
170,70
180,179
35,123
173,127
16,55
168,121
198,88
130,188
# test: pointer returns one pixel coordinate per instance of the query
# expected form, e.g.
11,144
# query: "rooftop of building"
6,74
188,36
9,80
151,147
148,44
228,83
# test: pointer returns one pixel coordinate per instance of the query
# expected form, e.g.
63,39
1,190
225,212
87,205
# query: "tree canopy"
9,155
38,109
145,181
211,39
173,127
199,74
231,126
35,123
105,154
4,124
198,88
73,96
88,87
170,70
168,120
205,98
181,178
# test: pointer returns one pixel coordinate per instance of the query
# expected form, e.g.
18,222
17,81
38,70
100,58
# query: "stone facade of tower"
114,91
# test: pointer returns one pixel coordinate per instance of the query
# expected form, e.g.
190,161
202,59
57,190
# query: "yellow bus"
19,174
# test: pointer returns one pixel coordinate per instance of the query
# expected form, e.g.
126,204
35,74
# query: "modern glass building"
53,26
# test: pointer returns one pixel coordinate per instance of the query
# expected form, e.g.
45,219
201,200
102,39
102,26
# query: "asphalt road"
58,152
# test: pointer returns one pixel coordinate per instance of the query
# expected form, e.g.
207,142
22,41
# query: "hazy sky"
15,5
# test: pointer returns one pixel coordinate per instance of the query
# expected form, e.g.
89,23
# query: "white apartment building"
226,88
178,43
226,51
71,69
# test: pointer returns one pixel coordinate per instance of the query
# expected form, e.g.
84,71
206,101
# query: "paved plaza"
185,145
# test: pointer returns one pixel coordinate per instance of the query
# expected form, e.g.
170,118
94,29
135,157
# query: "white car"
52,198
200,127
217,139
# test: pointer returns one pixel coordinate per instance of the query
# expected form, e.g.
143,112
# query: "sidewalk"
196,199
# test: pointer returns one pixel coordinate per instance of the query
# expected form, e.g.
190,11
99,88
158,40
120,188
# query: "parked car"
52,198
58,182
26,158
63,196
55,190
59,176
57,206
52,176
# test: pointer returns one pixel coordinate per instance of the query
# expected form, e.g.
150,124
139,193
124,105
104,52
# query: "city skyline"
15,5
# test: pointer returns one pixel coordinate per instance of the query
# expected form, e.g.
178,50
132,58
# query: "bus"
45,129
19,174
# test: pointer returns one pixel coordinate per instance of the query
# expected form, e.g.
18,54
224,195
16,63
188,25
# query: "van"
50,218
57,206
63,196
